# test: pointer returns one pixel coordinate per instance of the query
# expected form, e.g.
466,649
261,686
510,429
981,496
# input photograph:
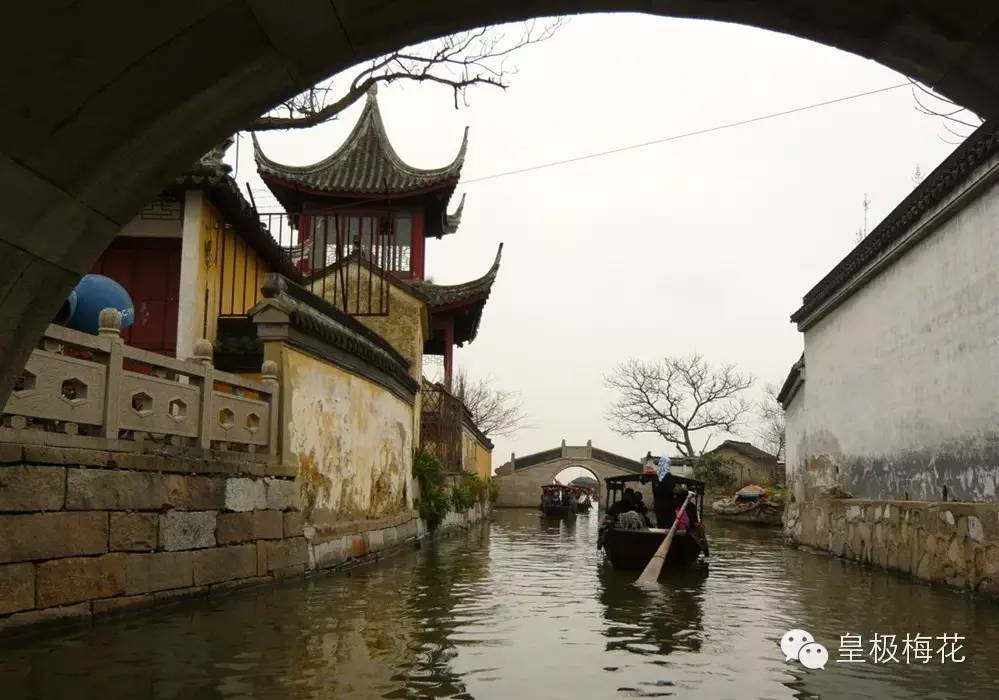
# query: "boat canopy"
619,483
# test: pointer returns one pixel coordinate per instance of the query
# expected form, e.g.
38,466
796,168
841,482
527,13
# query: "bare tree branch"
949,111
460,61
676,398
494,411
771,434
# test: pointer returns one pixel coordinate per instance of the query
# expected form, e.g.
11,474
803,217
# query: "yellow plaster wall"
352,440
230,273
405,327
477,458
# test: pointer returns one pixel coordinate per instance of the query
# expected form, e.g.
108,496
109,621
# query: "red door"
149,268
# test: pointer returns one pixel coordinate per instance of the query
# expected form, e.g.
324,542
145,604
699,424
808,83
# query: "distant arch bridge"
519,481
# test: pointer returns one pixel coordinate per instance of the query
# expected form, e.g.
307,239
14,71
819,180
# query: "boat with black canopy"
557,501
629,539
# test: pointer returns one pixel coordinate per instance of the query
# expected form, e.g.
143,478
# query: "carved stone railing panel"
156,405
239,419
60,388
76,387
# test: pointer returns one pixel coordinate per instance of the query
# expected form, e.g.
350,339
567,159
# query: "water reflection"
523,609
658,620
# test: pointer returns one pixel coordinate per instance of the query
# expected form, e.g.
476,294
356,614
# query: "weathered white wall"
795,426
902,378
352,440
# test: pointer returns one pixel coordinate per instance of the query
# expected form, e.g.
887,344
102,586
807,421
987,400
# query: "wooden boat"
631,549
758,511
557,501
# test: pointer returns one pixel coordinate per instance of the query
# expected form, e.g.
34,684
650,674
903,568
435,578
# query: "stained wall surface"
352,440
901,391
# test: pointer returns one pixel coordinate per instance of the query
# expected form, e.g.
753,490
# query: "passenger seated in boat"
624,505
639,504
631,520
682,519
693,523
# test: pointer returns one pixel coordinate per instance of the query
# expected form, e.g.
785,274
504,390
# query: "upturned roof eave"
369,127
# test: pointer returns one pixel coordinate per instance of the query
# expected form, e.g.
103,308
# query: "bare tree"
494,411
771,434
958,121
459,61
677,398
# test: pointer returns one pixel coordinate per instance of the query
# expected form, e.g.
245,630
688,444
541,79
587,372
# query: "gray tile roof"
441,295
465,301
366,163
945,178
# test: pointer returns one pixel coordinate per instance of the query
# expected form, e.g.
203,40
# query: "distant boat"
557,501
750,504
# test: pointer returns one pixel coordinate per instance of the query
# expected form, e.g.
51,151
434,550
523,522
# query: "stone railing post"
269,376
109,326
204,354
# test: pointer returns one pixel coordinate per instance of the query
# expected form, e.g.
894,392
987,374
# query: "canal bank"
950,544
524,607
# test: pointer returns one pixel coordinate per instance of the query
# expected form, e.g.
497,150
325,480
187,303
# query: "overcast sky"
706,244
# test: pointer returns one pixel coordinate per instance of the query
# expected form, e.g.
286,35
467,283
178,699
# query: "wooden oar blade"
650,575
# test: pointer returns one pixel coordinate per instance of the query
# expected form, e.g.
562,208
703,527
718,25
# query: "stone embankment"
948,543
87,533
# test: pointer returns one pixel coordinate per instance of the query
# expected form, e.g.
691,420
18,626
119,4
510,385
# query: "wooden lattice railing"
92,391
440,426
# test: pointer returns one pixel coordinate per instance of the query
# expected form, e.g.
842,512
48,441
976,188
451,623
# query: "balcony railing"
440,426
319,244
94,391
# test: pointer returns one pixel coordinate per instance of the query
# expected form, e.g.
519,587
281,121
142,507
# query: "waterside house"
892,410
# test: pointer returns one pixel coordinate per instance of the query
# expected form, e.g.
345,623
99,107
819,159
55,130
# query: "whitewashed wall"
902,379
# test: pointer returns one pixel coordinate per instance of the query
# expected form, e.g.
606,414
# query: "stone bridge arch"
105,101
518,482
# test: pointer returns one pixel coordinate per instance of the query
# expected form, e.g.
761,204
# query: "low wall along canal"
952,544
524,607
88,533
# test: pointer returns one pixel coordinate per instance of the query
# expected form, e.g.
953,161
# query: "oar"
655,565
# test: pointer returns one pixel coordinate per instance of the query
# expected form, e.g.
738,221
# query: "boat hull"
631,550
556,511
763,513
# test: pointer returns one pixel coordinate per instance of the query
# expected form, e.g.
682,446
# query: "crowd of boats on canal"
631,533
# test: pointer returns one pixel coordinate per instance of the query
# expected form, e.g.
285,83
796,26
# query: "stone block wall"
87,532
362,540
947,543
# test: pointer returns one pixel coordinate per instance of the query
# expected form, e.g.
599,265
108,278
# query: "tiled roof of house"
366,164
791,383
751,451
452,220
223,192
444,295
975,151
465,301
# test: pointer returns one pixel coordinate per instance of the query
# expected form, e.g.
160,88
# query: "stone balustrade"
96,392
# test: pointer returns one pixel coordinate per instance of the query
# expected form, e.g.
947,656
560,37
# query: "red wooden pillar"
449,353
417,260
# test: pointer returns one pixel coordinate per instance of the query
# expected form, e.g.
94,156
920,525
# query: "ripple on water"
523,609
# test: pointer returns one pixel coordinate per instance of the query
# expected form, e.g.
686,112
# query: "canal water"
525,608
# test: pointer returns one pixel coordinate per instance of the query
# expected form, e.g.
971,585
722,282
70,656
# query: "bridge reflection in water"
524,609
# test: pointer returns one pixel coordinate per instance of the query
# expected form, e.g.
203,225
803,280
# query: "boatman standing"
663,494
